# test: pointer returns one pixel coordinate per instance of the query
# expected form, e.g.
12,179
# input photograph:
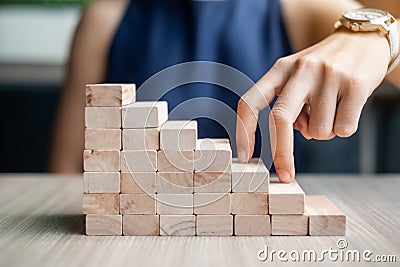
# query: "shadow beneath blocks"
44,224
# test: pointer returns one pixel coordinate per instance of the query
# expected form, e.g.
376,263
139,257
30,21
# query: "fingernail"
242,155
284,176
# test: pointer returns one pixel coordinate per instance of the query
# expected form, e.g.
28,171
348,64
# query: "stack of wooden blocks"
145,175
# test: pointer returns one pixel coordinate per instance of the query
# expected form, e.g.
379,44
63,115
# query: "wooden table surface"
41,225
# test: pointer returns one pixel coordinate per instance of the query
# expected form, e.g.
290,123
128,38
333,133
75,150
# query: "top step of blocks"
178,135
110,95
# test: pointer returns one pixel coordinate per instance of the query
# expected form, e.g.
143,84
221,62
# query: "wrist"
367,20
376,39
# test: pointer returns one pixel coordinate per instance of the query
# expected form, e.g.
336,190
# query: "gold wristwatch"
370,20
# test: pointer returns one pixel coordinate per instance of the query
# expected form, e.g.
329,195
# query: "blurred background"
35,36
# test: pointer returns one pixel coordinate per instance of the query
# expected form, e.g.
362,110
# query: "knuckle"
356,96
308,62
281,62
344,130
334,69
280,112
354,81
353,85
320,132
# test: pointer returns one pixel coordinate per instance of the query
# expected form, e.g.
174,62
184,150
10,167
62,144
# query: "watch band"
393,64
393,38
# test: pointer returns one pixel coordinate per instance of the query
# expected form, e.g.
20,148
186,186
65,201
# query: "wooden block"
103,139
178,135
110,95
101,182
249,203
175,161
103,117
101,160
101,204
250,177
181,225
211,203
210,225
212,182
137,204
252,225
289,224
138,160
138,182
324,217
285,198
174,204
137,225
145,114
103,224
174,183
141,139
213,155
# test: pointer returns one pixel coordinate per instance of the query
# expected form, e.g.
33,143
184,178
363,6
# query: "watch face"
364,14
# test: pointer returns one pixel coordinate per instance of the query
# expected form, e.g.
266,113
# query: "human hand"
321,92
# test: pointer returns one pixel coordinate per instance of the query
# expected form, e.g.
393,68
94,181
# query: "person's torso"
155,34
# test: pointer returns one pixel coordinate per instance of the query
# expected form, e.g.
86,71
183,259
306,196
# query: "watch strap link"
393,37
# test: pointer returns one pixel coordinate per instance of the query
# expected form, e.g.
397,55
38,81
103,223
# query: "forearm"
67,146
87,64
310,21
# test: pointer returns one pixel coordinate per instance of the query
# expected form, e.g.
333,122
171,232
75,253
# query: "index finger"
250,104
286,109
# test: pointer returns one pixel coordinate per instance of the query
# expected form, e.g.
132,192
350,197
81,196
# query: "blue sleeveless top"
248,35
